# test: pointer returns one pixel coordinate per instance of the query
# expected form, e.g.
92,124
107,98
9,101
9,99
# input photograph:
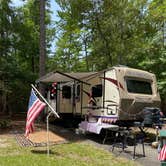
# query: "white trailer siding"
111,92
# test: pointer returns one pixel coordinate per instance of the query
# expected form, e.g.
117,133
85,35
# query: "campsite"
83,82
74,150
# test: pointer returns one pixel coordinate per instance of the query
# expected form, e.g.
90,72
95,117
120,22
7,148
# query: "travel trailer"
112,96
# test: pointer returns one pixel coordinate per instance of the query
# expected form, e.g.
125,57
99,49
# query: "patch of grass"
71,154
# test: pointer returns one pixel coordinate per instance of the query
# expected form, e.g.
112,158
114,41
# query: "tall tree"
42,48
112,29
42,58
19,48
7,31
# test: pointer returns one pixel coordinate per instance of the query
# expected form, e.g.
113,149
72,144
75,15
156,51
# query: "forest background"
89,35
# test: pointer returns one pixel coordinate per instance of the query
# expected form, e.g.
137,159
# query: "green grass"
71,154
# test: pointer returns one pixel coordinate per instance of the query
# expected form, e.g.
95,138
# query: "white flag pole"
45,100
48,139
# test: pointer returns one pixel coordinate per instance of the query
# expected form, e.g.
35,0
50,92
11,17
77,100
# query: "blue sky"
17,2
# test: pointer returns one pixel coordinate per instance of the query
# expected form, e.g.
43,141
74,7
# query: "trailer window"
97,90
136,86
66,92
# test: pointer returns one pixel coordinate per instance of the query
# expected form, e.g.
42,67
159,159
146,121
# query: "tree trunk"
42,48
4,97
86,53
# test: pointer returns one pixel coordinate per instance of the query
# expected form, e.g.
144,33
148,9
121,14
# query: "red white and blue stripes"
34,108
162,154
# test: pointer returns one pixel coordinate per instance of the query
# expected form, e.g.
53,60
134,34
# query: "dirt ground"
55,135
59,134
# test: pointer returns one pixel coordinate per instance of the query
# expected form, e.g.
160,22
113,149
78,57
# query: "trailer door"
77,98
66,99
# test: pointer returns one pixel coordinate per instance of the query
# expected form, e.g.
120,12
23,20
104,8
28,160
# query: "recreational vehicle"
112,96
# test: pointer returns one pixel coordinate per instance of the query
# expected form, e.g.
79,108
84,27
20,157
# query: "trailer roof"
58,76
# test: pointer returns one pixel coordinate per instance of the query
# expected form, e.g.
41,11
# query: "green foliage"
19,53
4,124
109,30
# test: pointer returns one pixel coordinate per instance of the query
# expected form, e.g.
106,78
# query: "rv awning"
58,76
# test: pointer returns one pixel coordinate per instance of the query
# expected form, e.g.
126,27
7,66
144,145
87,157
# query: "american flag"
162,154
34,108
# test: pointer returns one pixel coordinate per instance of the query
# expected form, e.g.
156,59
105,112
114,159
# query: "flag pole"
45,100
48,138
